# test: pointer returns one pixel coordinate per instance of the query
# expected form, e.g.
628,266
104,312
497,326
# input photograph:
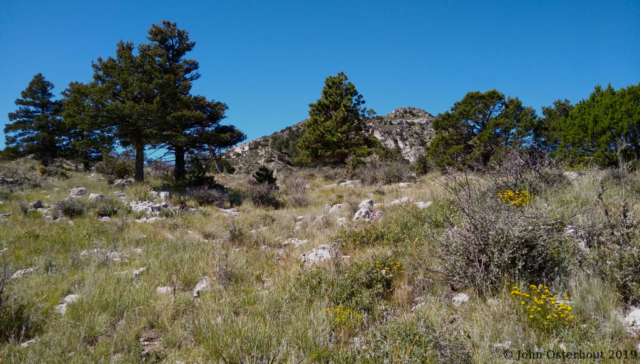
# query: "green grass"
263,306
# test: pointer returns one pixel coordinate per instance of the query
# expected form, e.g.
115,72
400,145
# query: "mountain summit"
405,128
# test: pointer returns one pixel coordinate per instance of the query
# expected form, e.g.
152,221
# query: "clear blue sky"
268,59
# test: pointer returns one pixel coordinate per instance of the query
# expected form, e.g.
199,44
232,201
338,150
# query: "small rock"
122,183
121,195
26,344
366,213
164,290
5,215
105,219
138,272
299,218
342,221
459,299
96,197
330,186
295,242
504,346
203,284
165,195
23,272
319,254
571,176
153,195
423,205
77,192
402,200
632,321
37,204
231,212
336,208
403,185
2,251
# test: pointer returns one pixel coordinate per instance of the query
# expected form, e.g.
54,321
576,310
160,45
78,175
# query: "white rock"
165,195
403,185
330,186
121,195
319,254
295,242
164,290
96,197
342,221
153,195
105,219
23,272
138,272
5,215
336,208
26,344
122,183
423,205
366,213
505,346
2,251
72,298
231,212
571,176
402,200
203,284
632,321
299,218
366,203
77,192
460,298
378,205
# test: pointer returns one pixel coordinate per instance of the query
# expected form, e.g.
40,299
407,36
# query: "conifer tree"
36,127
337,126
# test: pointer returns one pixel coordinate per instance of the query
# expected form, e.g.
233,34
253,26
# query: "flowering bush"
344,318
519,199
545,311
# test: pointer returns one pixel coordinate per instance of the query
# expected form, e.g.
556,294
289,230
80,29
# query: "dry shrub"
490,241
262,194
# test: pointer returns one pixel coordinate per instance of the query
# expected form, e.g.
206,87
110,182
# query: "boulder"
96,197
366,203
366,213
632,321
138,272
77,192
336,208
319,255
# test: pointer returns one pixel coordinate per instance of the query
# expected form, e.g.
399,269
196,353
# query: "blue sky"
268,59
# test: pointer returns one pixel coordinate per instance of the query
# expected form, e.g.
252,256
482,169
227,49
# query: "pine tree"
36,127
478,127
336,129
264,175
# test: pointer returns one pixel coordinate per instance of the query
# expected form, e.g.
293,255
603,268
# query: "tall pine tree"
36,127
336,128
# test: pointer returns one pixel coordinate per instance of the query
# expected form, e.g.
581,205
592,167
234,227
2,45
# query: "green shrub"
70,207
204,196
423,165
196,174
264,175
116,166
107,208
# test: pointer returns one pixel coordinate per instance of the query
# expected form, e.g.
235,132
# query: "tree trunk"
214,156
179,168
139,174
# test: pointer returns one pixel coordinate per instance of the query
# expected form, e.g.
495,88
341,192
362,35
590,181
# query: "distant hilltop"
406,128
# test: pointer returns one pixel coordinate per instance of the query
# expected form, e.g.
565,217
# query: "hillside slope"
406,128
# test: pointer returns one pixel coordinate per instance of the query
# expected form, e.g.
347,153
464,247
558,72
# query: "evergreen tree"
598,127
264,175
126,100
336,129
36,127
547,131
478,127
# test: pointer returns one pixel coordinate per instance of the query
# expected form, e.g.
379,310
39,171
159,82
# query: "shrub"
116,166
262,195
227,166
70,207
196,174
138,191
296,186
423,165
385,173
542,309
264,175
42,170
493,240
107,208
204,196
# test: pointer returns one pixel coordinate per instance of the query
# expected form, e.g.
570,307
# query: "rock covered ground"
350,275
